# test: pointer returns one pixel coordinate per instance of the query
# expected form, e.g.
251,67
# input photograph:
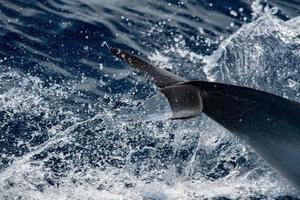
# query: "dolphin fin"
184,99
160,77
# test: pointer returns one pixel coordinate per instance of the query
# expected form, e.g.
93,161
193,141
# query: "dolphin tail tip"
114,50
159,76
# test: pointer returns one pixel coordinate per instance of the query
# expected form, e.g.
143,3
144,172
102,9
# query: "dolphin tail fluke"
159,76
184,99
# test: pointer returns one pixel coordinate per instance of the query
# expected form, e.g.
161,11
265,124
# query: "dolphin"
270,124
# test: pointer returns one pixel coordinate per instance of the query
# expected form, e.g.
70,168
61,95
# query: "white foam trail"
62,136
154,109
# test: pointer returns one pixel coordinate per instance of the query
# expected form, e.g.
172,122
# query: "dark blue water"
70,122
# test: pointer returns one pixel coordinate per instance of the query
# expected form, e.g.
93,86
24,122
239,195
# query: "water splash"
93,138
262,55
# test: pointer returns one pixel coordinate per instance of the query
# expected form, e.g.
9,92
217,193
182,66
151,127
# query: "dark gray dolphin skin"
268,123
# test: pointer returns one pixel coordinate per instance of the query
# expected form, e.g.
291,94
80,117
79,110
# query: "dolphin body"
268,123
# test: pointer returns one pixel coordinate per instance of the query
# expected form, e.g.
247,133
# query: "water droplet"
233,13
291,83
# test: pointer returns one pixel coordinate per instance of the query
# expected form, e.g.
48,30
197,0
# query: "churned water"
76,123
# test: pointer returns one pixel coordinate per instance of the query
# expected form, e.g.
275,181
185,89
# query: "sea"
76,123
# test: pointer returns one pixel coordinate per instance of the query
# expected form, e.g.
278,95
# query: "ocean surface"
77,123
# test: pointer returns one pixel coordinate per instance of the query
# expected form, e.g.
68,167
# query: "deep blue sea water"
71,123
